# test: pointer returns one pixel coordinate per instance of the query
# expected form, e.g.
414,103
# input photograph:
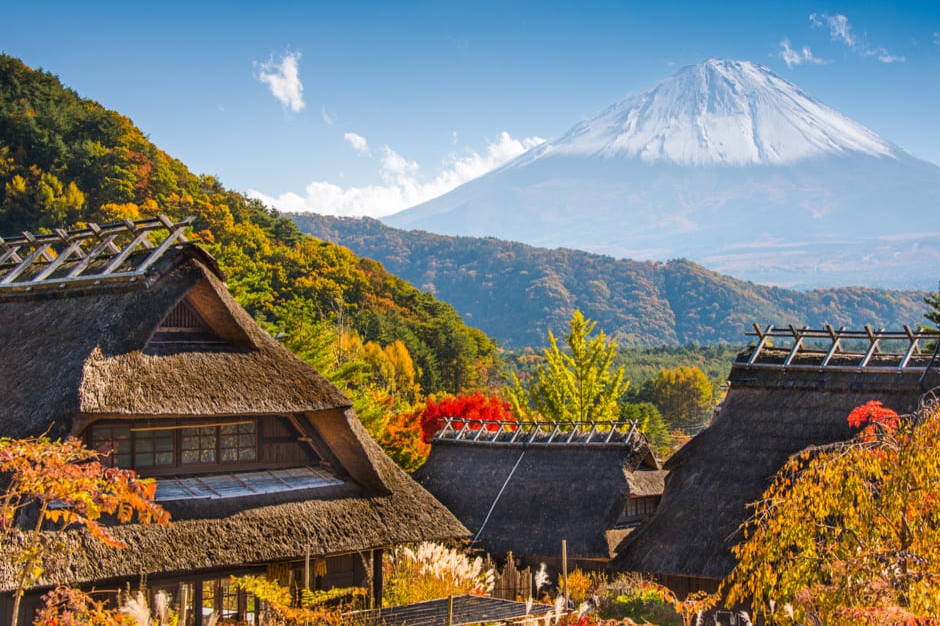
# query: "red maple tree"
477,410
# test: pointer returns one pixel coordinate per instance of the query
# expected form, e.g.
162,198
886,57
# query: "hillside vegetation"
65,160
516,293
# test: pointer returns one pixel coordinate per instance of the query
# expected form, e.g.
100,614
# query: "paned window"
168,445
199,445
637,509
113,443
153,448
237,442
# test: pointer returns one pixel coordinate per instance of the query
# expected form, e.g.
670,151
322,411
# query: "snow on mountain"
720,112
724,163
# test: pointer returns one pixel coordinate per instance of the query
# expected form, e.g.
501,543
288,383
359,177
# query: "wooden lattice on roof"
834,349
88,255
506,433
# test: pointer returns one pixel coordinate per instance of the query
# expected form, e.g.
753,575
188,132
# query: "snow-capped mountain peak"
726,164
720,112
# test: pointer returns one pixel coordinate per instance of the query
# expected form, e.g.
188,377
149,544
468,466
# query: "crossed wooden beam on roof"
821,359
111,245
537,433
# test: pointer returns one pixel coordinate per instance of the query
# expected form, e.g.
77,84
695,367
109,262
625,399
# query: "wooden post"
564,574
377,581
450,610
307,569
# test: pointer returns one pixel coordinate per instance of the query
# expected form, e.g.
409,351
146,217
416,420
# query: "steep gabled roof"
160,336
92,347
526,487
781,400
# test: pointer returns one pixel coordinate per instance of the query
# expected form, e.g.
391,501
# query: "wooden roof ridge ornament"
509,433
111,245
826,349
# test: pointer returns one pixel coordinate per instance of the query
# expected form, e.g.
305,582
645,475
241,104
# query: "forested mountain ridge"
516,293
65,160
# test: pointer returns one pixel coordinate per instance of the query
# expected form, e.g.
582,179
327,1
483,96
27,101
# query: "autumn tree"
849,533
54,486
650,422
577,384
682,394
477,410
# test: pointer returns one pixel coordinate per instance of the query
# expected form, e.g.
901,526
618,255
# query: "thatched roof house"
140,350
781,400
525,488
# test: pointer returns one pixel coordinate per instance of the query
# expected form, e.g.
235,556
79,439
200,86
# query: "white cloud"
283,79
328,117
402,185
883,55
839,27
793,57
358,143
841,30
936,38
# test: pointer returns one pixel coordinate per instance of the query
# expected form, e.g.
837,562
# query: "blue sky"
368,107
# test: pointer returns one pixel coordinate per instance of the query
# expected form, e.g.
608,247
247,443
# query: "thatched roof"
75,351
554,491
770,413
83,353
339,520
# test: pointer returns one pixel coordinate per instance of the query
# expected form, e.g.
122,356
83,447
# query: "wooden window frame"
178,429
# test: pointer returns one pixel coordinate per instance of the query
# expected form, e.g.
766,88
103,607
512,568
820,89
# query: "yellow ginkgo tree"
849,533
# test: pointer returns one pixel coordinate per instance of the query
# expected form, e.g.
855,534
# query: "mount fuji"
724,163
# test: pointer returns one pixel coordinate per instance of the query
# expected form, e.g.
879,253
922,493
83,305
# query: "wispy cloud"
936,39
797,57
839,27
358,143
402,186
841,30
328,117
283,79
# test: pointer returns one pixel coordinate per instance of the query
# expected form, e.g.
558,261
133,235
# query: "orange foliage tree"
849,533
478,409
61,485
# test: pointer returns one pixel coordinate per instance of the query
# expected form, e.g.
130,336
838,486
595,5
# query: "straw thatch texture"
346,519
569,492
71,356
767,416
67,354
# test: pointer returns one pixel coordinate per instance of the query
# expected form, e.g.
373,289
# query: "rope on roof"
496,499
95,253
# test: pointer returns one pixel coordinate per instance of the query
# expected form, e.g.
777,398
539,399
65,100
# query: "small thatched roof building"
524,488
780,401
137,347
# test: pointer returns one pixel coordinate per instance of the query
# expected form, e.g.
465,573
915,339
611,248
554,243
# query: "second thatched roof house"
523,488
127,337
792,390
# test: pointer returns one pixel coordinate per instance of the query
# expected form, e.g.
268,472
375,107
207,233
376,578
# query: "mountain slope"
517,292
724,163
65,160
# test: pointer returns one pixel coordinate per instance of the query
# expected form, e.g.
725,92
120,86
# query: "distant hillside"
66,160
516,293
